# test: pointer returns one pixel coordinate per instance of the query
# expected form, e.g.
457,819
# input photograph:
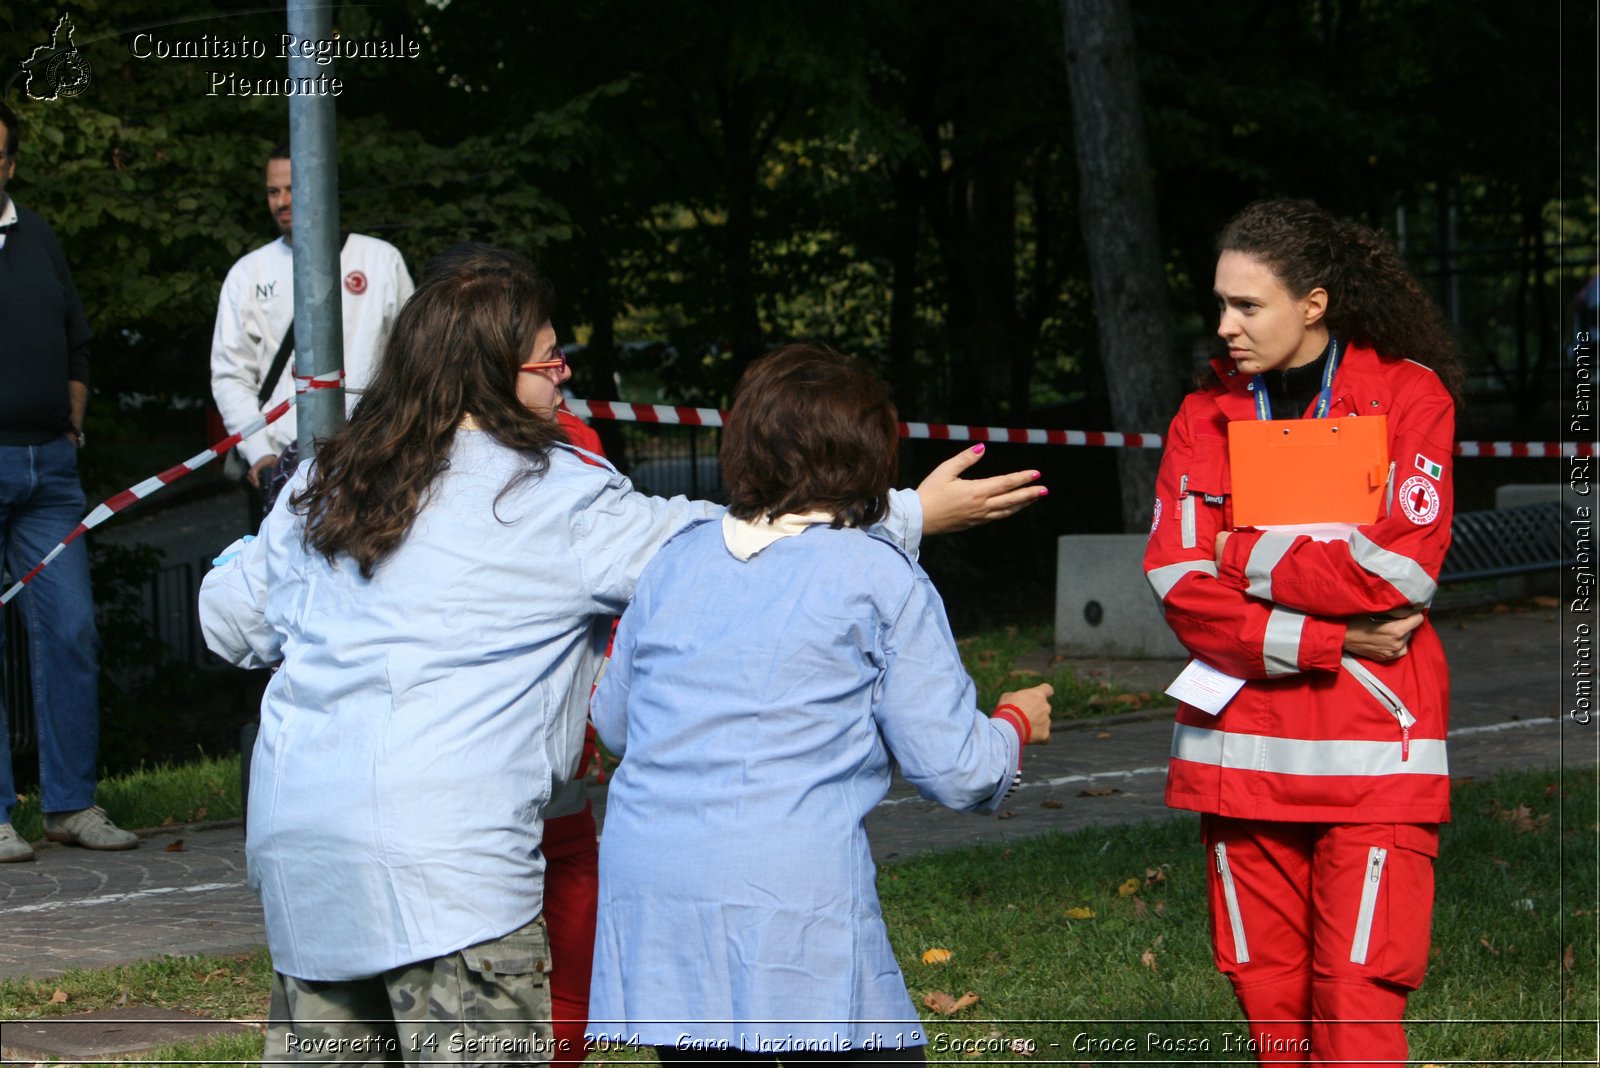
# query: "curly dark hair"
811,430
454,351
1372,298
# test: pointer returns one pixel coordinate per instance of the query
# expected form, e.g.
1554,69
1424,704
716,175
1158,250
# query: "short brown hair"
812,430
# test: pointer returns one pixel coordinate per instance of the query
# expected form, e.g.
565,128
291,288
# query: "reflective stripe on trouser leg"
1259,889
1230,897
1373,899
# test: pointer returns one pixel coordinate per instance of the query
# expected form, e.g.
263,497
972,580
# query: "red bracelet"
1018,719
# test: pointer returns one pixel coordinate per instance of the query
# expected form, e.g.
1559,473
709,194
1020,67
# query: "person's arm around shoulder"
616,529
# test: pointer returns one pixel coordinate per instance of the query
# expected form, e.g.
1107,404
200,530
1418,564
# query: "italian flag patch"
1428,467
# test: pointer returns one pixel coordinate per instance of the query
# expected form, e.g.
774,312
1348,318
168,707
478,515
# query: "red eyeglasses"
558,363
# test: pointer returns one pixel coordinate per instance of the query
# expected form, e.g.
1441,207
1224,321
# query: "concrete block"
1515,495
1104,606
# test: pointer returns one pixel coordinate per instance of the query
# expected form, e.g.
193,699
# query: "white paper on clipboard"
1204,687
1315,531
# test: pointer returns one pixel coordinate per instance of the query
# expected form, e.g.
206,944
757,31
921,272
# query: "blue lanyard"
1324,396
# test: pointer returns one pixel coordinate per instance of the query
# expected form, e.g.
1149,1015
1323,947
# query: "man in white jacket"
256,311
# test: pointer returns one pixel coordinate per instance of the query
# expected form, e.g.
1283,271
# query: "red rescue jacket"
1314,735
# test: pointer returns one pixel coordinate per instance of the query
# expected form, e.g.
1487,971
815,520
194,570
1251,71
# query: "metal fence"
166,605
669,460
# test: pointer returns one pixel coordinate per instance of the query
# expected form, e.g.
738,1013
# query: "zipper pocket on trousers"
1376,856
1241,948
1385,697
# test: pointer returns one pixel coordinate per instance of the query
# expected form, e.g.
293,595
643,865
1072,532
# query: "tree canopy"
901,179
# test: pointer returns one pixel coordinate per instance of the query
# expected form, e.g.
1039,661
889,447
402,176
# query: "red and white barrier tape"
681,416
111,506
326,380
661,413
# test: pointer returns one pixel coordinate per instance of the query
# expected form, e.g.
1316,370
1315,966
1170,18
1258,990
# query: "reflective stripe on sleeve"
1280,650
1163,578
1403,573
1302,756
1263,558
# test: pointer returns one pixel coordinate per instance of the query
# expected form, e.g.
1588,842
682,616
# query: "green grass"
208,789
1503,975
1498,984
991,656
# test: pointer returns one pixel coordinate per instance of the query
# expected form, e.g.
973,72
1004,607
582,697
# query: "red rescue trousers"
1323,930
571,896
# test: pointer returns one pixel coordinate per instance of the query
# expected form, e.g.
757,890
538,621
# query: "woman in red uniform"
1323,780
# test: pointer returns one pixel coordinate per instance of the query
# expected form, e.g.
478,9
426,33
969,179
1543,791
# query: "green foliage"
899,179
1009,658
228,987
1102,936
1043,930
204,788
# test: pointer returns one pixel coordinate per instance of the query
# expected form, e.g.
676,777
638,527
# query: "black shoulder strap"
269,383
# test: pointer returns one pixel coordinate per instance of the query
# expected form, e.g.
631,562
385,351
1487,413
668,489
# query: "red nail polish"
1044,491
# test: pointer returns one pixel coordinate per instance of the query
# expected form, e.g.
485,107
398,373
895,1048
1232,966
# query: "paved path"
76,908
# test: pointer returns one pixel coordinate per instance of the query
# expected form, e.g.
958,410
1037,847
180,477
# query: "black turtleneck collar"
1293,389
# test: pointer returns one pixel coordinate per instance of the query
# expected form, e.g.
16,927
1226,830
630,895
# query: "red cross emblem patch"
356,283
1419,500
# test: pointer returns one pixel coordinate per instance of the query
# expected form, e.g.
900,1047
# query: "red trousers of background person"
1323,930
571,895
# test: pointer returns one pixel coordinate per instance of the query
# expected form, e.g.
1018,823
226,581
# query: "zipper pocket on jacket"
1376,856
1241,948
1385,697
1186,512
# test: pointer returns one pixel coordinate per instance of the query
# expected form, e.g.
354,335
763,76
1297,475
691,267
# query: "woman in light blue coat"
772,668
436,590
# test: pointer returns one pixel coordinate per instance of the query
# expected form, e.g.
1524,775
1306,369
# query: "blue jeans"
40,503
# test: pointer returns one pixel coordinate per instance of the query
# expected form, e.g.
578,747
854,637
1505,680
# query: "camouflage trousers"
487,1004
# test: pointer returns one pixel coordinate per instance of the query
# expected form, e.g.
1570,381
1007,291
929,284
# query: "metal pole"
314,152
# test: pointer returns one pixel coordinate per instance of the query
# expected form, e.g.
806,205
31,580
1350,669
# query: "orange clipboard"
1292,471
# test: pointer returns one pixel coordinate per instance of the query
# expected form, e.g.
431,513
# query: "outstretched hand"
951,503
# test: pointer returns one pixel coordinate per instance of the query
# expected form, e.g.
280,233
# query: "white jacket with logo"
255,310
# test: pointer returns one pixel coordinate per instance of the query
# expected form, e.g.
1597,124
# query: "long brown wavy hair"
1372,298
454,351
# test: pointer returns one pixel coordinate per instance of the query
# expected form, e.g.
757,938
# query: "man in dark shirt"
44,389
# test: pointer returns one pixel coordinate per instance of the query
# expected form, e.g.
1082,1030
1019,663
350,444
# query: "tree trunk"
740,164
1117,216
904,238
